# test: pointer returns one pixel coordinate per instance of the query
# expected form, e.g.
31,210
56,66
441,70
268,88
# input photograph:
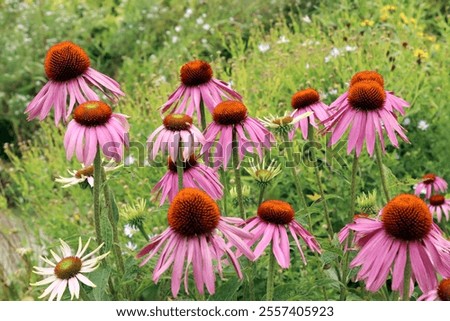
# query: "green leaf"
100,278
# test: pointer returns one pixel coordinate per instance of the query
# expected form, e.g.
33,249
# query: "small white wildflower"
129,160
204,41
128,230
131,246
283,39
174,39
206,27
423,125
306,19
350,48
263,47
307,66
333,91
335,52
199,21
178,28
188,13
406,121
327,59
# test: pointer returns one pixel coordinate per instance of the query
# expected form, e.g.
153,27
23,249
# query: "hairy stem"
262,189
353,188
97,187
237,174
379,156
407,277
270,276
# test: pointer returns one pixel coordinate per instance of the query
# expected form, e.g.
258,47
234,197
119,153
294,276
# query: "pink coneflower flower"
270,226
93,125
307,100
231,120
177,133
197,86
195,236
441,293
68,270
195,175
439,205
67,67
431,184
368,110
392,102
405,229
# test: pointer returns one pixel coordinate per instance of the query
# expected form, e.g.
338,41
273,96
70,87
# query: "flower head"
368,109
431,184
404,229
67,67
176,135
232,122
85,175
135,214
195,174
270,226
94,126
68,270
263,174
284,124
198,86
193,238
439,206
367,203
307,101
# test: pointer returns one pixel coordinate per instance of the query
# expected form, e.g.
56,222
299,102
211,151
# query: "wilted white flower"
85,174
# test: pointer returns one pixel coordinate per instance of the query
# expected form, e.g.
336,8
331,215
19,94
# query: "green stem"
143,232
270,275
224,178
298,184
379,156
113,222
406,277
97,187
237,174
262,189
319,182
353,187
180,171
202,114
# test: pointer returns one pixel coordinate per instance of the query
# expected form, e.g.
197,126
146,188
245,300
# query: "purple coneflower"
439,206
197,86
270,226
195,175
68,270
67,67
440,293
369,111
404,232
232,123
95,125
431,184
307,100
177,133
196,236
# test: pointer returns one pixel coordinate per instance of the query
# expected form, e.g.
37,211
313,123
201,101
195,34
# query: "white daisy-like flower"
85,174
131,246
68,270
129,230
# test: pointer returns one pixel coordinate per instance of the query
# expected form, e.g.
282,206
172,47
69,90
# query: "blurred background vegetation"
267,50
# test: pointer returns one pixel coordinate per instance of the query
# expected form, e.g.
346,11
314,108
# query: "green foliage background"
142,44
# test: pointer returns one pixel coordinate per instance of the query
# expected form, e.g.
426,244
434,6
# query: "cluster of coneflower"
402,240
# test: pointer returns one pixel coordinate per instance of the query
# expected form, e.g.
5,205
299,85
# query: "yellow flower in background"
388,9
435,47
384,17
404,18
430,38
367,23
421,54
413,21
